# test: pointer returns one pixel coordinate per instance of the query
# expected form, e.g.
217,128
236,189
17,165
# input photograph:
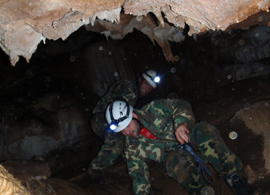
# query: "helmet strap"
117,121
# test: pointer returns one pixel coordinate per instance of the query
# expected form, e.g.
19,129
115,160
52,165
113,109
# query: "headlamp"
156,79
113,126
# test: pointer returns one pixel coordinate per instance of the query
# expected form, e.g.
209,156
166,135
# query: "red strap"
147,134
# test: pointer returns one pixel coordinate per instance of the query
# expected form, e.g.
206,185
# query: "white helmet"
119,115
151,77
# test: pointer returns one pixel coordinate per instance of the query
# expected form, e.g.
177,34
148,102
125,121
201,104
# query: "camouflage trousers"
205,139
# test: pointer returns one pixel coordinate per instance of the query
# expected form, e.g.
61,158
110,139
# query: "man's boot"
239,185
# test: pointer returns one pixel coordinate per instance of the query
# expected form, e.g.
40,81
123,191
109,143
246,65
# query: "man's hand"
181,133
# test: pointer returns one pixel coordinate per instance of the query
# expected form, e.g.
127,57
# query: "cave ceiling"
26,23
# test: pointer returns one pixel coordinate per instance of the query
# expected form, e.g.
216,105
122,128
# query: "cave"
221,65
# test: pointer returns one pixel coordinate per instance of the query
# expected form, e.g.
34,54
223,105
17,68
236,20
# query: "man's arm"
182,116
182,113
183,120
163,116
109,152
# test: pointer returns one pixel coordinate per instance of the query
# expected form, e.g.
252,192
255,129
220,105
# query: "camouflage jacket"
160,117
124,89
113,144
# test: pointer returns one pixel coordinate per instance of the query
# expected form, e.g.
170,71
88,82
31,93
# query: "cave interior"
47,101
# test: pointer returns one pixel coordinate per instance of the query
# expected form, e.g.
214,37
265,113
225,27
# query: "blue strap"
205,170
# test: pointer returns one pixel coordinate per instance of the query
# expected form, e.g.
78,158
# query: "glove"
154,191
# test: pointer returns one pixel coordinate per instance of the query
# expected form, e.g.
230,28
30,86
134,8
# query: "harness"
147,133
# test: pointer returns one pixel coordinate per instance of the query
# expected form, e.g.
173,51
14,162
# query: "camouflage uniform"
162,117
113,142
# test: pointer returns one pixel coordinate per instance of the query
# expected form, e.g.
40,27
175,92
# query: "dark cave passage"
46,139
